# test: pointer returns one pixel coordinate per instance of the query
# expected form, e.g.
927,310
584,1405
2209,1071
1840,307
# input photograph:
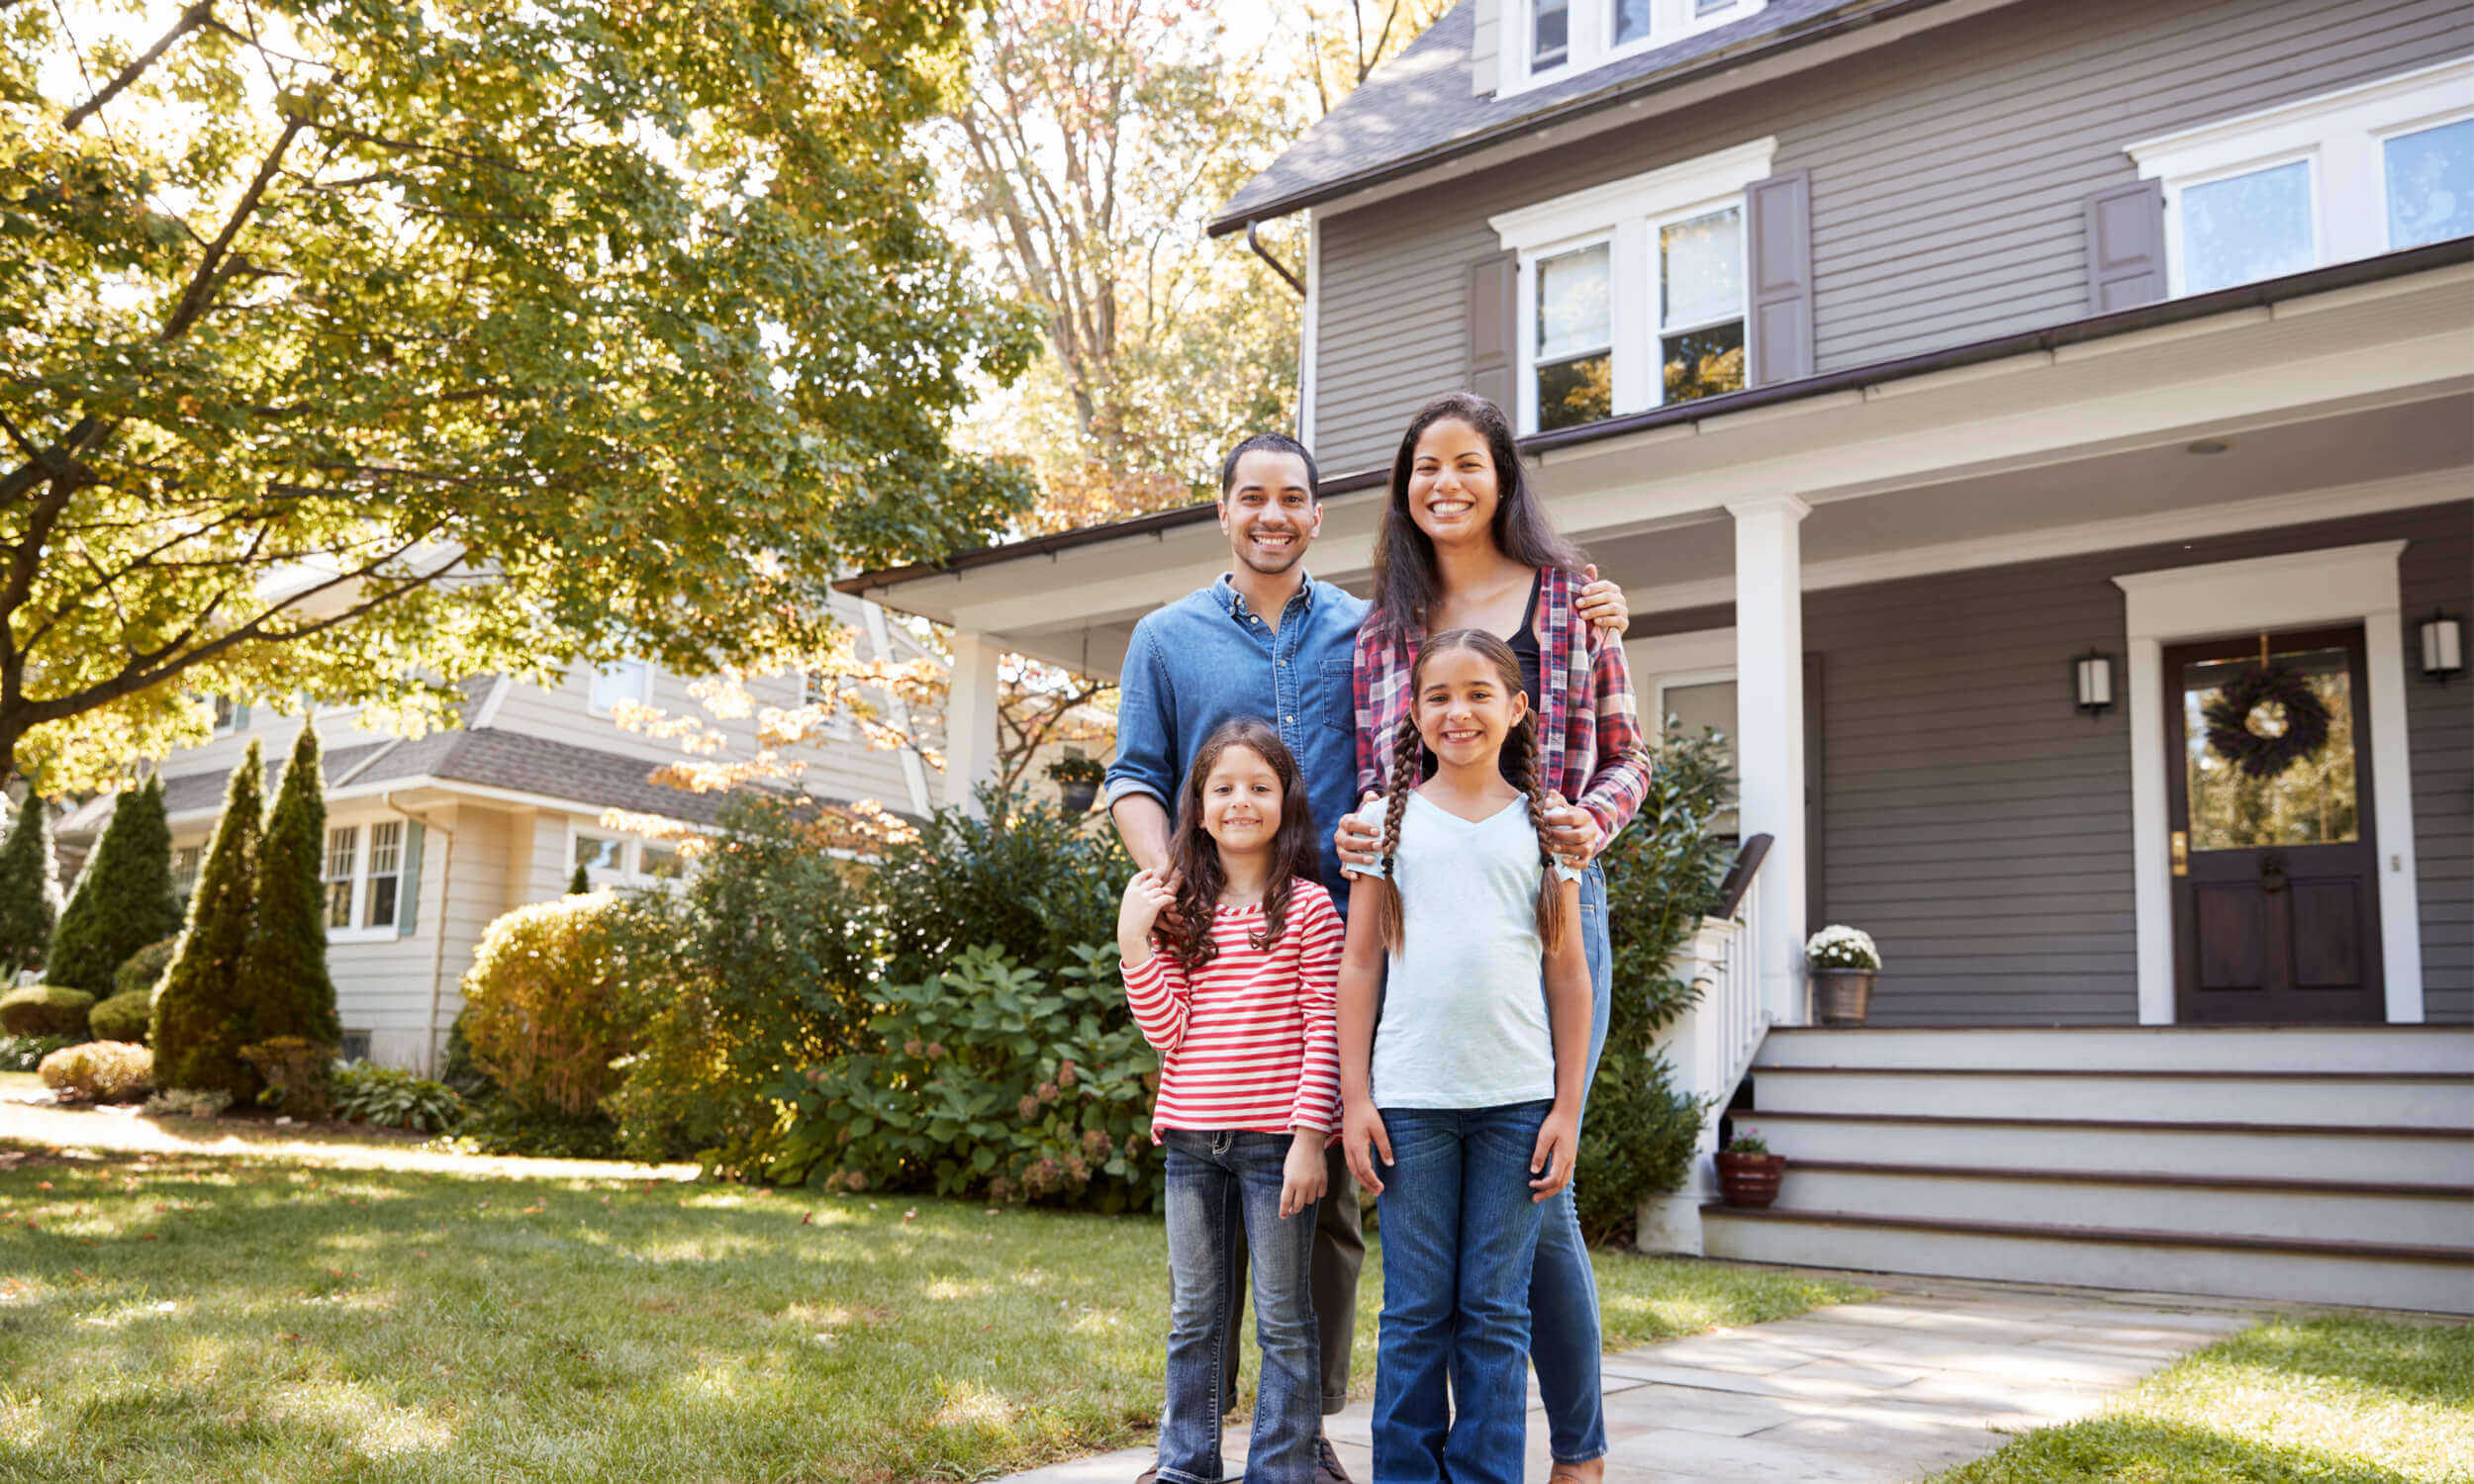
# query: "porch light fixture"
2207,447
2444,646
2091,680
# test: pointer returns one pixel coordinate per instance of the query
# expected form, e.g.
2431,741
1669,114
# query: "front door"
2275,885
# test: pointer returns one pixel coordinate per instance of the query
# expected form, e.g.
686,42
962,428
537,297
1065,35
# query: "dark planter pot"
1748,1179
1840,996
1077,798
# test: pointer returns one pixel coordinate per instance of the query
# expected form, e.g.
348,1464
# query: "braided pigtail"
1523,746
1388,911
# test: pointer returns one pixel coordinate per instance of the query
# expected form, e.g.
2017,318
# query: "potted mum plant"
1748,1172
1842,962
1078,781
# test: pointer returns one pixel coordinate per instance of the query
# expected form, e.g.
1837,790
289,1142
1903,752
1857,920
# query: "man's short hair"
1270,443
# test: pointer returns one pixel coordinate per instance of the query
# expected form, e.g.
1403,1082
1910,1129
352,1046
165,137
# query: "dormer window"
1551,35
1551,40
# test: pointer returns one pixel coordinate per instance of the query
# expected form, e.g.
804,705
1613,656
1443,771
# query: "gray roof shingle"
1421,104
499,759
192,791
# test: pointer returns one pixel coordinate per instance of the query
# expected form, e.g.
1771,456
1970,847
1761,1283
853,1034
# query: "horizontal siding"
1949,173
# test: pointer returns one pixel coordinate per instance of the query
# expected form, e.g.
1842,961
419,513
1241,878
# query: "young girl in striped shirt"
1235,989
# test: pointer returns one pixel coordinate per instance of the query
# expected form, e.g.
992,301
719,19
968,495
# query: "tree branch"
190,19
209,275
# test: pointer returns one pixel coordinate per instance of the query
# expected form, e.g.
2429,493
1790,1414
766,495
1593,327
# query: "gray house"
1970,393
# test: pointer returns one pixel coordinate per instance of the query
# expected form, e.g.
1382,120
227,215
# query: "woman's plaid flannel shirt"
1593,750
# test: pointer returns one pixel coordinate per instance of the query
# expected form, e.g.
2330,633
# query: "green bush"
543,1007
199,1022
298,1073
389,1098
145,968
102,1071
1022,879
992,1080
124,899
1661,875
188,1102
25,1053
46,1010
29,888
457,1069
123,1017
500,1127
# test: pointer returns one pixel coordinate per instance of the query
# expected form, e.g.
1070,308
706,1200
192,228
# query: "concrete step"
2299,1210
2383,1276
2433,1100
2399,1049
2289,1151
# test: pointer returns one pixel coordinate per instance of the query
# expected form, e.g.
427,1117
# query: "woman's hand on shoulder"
1559,1145
1362,1137
1301,1175
1602,602
1573,829
1359,842
1149,895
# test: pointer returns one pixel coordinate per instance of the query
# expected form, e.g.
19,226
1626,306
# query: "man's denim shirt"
1206,658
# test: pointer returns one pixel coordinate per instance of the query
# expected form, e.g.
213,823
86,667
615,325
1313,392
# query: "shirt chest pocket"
1338,704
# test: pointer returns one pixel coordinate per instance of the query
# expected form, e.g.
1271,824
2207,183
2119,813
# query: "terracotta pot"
1748,1179
1077,798
1840,996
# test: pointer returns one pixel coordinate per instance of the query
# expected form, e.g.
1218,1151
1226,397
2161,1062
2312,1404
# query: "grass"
2344,1400
178,1317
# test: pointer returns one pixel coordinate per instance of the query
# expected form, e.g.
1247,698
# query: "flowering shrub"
1747,1142
1841,948
103,1071
990,1080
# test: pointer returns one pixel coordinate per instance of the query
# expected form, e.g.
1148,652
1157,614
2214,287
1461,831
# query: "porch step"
2415,1215
2433,1100
2253,1151
2385,1275
2402,1050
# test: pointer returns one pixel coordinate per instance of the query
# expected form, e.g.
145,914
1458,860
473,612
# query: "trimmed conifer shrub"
199,1022
123,1017
579,885
29,888
124,900
45,1010
282,979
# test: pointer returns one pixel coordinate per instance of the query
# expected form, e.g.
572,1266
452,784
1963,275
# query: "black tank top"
1525,649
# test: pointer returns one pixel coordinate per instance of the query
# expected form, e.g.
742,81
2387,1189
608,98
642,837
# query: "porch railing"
1711,1044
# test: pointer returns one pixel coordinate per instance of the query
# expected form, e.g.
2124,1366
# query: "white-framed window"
342,853
386,874
186,861
613,858
230,715
364,879
1548,41
1632,293
619,682
816,688
2368,170
598,854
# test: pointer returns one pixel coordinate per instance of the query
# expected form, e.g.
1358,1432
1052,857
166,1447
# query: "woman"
1465,545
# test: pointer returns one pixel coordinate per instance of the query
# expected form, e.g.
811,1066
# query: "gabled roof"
496,758
1420,109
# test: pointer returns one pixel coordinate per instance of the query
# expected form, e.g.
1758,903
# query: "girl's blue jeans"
1458,1232
1563,1340
1221,1183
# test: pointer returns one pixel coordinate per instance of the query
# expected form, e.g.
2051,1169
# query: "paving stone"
1728,1414
1746,1382
1831,1378
1669,1452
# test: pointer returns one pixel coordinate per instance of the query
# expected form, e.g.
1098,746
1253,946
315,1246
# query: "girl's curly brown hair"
1196,857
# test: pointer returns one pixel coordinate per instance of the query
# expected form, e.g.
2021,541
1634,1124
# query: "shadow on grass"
2430,1362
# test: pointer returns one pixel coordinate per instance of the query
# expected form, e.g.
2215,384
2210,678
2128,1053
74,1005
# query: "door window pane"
2247,227
1702,269
1700,709
1575,335
1550,41
2311,803
2430,185
343,847
1632,20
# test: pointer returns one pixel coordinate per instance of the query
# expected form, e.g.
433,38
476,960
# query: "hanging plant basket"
2230,719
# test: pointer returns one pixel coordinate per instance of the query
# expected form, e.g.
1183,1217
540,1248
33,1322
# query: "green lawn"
2348,1400
184,1317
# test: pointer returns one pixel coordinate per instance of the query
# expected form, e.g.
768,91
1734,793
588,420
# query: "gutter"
1713,65
2454,252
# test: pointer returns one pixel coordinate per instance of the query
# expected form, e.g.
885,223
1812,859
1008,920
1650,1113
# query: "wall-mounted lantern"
2091,680
2444,646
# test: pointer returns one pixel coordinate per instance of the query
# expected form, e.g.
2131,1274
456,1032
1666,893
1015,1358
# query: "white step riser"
2168,1270
2425,1159
2135,1048
2413,1221
2382,1104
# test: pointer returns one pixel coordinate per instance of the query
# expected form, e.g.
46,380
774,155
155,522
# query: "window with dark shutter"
2126,249
1780,245
1493,317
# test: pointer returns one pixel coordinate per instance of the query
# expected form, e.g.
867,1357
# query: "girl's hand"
1359,843
1602,603
1147,896
1301,1174
1361,1136
1559,1145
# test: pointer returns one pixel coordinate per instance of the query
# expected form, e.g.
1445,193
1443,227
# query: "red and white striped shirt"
1250,1042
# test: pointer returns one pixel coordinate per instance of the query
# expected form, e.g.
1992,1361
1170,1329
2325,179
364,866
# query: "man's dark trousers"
1339,1251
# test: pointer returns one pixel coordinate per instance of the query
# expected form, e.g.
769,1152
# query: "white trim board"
2334,585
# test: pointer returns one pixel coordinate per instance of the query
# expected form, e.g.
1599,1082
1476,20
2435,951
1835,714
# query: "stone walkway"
1934,1373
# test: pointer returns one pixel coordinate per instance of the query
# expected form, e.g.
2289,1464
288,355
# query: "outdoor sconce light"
2092,678
2444,646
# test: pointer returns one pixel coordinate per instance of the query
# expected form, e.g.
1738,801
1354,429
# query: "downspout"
1255,243
437,953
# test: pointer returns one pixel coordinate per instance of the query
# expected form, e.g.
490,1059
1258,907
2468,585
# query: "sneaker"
1327,1469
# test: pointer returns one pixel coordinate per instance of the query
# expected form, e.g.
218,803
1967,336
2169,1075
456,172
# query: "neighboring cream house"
430,838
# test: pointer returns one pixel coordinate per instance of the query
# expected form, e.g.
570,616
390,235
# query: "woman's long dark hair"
1195,855
1406,583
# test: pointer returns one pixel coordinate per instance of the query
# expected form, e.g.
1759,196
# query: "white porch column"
970,718
1769,732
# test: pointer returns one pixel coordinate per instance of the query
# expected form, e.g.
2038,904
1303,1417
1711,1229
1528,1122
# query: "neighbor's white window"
2350,175
1632,293
626,860
363,884
817,689
185,862
620,681
342,849
1547,41
600,851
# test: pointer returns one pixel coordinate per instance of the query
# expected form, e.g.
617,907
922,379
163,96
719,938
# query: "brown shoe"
1327,1469
1149,1475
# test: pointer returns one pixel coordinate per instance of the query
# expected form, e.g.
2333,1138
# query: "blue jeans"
1565,1343
1220,1184
1458,1233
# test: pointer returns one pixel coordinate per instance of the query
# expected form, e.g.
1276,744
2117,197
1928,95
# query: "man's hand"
1559,1143
1602,603
1301,1175
1147,896
1360,844
1362,1137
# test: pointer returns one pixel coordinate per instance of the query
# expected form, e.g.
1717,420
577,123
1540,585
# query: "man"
1265,639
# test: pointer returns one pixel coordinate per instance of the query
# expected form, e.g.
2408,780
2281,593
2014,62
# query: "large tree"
29,888
281,979
124,898
199,1023
346,346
